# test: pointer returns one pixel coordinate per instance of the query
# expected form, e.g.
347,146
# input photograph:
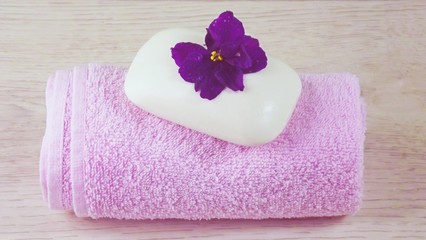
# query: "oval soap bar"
251,117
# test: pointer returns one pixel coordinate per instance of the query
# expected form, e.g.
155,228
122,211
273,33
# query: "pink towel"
103,157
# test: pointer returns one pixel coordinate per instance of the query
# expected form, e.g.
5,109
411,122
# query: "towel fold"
102,156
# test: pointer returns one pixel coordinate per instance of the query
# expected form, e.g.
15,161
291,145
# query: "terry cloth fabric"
102,156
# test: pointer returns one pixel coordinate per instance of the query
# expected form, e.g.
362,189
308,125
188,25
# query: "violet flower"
229,54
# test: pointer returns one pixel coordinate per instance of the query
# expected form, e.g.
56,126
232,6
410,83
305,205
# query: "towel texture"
102,156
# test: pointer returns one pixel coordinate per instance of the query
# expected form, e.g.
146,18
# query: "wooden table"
382,42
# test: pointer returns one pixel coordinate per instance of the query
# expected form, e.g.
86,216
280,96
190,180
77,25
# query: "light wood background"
384,43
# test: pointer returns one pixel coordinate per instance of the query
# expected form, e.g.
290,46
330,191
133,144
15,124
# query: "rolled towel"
102,156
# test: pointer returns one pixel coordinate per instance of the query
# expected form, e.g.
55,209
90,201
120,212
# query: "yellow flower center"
216,56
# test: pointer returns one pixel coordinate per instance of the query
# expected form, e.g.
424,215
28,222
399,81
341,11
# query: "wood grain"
382,42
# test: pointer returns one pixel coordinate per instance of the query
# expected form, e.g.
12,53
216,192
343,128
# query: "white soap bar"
251,117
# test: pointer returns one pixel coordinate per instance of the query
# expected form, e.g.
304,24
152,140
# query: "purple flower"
229,54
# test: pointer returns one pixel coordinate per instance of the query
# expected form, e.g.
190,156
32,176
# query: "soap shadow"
169,225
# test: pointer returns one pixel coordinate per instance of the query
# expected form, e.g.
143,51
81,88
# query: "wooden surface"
382,42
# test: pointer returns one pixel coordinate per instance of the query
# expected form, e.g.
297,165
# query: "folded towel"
104,157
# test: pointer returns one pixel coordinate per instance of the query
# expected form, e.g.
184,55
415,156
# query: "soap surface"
251,117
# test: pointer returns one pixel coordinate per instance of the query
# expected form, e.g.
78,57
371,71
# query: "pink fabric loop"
103,157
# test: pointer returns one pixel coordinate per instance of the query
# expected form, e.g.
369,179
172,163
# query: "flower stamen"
215,56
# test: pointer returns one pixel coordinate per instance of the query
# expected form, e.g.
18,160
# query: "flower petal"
210,42
196,67
211,88
224,29
229,50
230,76
240,59
256,53
181,51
